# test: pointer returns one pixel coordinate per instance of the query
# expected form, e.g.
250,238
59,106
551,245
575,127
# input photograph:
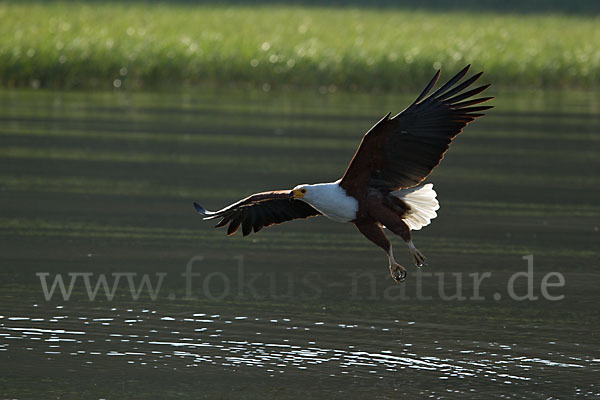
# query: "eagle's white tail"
423,205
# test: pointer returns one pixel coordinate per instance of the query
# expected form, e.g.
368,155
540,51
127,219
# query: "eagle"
380,188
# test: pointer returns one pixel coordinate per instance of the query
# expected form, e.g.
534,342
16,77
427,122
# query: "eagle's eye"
303,191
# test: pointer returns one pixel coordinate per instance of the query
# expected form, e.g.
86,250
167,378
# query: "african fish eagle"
379,188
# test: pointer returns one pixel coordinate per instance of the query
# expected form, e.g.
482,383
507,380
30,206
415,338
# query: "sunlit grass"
142,45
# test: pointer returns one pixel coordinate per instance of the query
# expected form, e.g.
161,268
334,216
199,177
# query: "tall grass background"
142,45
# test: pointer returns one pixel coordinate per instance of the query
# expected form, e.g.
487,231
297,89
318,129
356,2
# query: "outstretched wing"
400,152
259,210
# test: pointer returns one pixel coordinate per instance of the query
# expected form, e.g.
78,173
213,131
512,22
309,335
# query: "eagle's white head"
301,191
329,199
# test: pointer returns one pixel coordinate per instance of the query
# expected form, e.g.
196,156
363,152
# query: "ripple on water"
146,338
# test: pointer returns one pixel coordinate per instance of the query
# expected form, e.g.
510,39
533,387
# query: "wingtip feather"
199,208
428,88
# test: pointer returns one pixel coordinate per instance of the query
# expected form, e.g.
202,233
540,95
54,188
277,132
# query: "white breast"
331,200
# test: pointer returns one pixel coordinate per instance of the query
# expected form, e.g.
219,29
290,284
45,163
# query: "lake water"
100,186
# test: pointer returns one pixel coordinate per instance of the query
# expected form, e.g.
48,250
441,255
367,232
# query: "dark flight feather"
400,152
258,211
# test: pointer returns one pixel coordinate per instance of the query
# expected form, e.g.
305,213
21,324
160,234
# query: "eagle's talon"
398,273
420,263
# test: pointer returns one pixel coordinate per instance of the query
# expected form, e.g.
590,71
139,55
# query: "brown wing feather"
400,152
258,211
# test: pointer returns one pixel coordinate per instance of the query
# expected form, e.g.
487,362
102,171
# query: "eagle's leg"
399,227
418,257
374,232
391,220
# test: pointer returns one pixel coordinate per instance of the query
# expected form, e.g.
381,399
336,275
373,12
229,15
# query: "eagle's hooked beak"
297,193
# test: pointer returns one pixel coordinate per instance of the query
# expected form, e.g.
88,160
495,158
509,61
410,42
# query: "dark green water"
101,185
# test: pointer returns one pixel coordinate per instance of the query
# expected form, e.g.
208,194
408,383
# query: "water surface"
100,186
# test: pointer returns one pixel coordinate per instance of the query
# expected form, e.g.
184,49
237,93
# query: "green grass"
145,45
